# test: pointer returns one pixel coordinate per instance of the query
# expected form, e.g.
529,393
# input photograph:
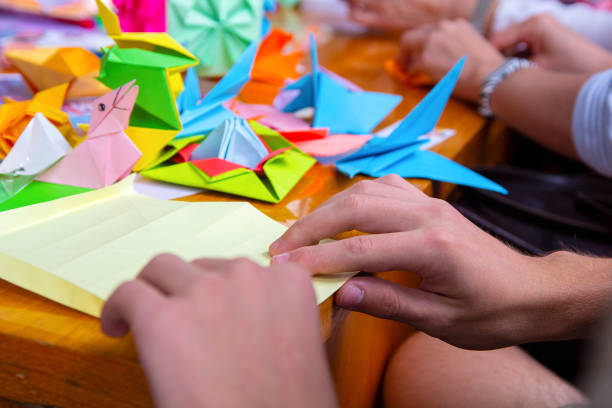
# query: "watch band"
509,67
479,17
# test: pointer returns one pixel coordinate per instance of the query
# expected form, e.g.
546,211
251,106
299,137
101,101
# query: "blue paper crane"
336,107
400,153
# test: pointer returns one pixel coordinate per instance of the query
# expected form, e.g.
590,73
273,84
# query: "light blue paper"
191,95
400,153
234,141
208,114
337,108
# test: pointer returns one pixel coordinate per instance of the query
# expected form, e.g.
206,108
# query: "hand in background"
435,48
475,292
405,14
217,333
554,46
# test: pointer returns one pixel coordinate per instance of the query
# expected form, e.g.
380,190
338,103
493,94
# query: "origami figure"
235,142
44,68
400,153
216,31
39,147
268,178
338,108
15,116
209,113
107,154
272,68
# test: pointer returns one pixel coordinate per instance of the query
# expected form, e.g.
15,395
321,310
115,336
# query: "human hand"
475,292
214,333
405,14
435,48
554,46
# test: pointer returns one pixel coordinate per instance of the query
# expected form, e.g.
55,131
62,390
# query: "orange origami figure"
412,78
15,116
43,68
271,69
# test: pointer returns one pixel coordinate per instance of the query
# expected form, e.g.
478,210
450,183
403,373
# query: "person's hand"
475,292
435,48
554,46
218,333
405,14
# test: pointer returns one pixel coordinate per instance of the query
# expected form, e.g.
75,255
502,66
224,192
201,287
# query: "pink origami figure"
142,16
107,154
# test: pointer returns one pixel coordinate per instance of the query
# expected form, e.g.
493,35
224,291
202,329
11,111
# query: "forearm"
540,104
568,297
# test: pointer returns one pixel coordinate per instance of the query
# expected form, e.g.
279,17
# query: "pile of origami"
156,62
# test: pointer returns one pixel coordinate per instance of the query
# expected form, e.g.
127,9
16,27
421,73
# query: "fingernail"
280,259
350,296
275,245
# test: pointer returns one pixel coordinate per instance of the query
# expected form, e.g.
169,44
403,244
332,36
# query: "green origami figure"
155,107
215,31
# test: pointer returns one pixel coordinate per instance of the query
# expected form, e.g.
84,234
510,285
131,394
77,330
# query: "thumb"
387,300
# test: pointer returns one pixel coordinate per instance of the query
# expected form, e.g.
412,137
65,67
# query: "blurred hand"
475,292
554,46
405,14
435,48
215,333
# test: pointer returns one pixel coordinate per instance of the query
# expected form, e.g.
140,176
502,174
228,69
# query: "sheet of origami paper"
336,107
15,116
46,67
38,148
413,78
333,145
77,250
142,15
217,32
235,141
210,112
39,192
162,191
268,116
271,181
401,152
107,154
272,68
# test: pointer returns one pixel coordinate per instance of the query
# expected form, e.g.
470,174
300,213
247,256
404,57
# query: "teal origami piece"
208,114
336,107
233,141
400,153
215,31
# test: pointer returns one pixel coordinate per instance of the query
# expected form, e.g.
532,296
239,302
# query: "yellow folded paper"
77,250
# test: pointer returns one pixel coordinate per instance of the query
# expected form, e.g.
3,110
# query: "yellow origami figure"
43,68
15,116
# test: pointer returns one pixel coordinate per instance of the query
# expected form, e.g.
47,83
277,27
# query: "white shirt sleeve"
592,123
582,18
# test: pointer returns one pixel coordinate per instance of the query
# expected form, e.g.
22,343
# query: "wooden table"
53,355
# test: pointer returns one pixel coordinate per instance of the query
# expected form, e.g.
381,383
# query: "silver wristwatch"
488,86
